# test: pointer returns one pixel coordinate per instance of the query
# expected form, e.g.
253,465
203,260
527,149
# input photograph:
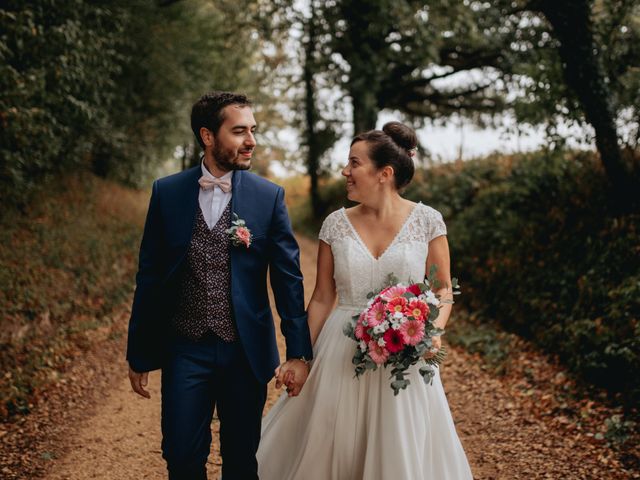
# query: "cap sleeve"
328,231
435,224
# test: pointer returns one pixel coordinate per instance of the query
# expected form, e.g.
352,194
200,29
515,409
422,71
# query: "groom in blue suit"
201,310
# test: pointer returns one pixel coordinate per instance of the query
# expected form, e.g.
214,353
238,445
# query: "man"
201,311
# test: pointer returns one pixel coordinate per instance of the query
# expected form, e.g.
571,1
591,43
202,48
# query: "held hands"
138,382
293,373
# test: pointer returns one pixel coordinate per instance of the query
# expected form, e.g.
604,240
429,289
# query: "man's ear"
207,137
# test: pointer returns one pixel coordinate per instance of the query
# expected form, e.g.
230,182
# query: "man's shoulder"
179,178
256,181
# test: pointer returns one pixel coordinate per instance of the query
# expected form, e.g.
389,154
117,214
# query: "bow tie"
208,183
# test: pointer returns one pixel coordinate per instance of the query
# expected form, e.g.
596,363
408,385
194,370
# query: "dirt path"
502,437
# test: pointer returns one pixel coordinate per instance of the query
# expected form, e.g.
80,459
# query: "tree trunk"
584,74
365,107
314,149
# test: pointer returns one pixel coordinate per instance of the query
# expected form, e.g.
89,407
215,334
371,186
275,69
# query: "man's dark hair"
208,112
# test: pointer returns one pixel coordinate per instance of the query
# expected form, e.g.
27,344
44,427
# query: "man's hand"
293,373
138,382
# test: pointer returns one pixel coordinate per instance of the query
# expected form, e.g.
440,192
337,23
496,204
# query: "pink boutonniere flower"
239,234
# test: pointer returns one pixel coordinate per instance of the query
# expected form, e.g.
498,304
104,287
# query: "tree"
396,54
56,75
107,86
317,137
584,74
549,62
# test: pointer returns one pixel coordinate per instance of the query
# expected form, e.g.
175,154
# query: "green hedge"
539,249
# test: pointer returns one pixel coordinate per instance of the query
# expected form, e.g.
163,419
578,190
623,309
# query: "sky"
456,139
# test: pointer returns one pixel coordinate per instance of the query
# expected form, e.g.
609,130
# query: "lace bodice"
357,272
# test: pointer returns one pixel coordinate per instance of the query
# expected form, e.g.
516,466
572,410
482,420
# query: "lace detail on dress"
357,272
334,227
427,223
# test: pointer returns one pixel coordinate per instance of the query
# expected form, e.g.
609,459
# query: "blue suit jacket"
166,238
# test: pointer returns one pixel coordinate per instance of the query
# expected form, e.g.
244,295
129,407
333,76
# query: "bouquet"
396,330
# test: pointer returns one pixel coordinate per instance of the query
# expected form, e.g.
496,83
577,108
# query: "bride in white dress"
346,428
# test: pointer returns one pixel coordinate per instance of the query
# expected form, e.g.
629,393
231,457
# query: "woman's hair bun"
392,146
403,136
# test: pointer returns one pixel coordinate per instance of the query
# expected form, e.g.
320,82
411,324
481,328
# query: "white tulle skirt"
344,428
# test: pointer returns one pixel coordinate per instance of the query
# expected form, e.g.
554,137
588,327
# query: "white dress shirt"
213,201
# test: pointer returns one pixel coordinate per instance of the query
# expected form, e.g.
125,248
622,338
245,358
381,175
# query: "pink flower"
239,234
383,292
244,235
376,314
390,293
415,289
397,305
417,309
393,340
412,332
377,353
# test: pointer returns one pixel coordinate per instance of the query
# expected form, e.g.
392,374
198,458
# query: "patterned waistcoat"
204,302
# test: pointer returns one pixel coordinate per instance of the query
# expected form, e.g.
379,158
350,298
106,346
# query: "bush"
107,86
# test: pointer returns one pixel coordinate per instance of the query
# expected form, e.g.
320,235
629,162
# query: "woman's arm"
439,256
324,293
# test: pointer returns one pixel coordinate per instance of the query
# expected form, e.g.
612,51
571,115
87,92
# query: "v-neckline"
393,241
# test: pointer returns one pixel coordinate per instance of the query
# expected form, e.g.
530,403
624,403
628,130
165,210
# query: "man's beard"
224,158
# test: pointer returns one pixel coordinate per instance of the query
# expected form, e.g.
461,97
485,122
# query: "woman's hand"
437,345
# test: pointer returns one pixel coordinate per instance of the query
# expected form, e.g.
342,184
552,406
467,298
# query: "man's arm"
286,282
140,344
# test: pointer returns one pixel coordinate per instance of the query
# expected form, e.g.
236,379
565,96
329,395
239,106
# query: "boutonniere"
239,234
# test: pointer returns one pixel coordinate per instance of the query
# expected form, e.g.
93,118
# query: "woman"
347,428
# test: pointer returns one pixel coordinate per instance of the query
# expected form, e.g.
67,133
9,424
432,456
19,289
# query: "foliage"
58,66
66,264
619,430
399,55
431,60
107,86
544,254
488,339
548,99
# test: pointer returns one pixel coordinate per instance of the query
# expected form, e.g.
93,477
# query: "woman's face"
363,178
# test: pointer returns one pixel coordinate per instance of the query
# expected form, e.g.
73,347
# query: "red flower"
415,289
393,340
397,305
417,309
361,330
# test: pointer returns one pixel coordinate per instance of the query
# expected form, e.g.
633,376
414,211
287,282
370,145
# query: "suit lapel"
187,215
181,215
236,194
236,207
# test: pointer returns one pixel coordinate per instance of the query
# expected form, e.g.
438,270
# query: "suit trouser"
199,376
